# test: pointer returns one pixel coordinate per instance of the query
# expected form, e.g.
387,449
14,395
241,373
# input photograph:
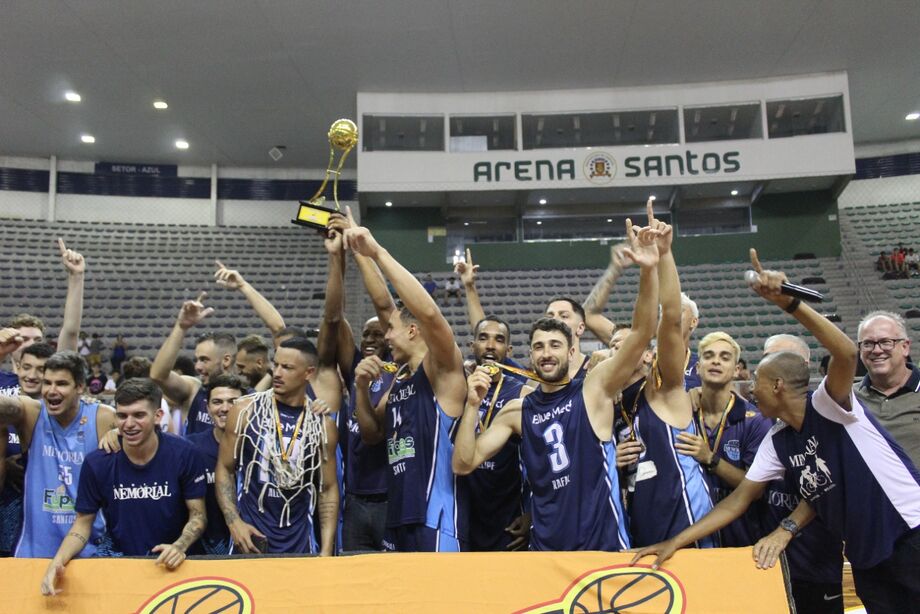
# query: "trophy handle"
318,199
335,182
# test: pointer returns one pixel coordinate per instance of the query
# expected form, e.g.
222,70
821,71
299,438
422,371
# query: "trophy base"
313,215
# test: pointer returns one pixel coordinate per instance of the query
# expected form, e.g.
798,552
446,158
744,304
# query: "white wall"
24,205
887,190
90,208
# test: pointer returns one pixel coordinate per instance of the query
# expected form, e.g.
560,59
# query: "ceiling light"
160,104
734,192
389,203
181,144
542,201
73,97
539,223
609,219
466,223
912,116
88,138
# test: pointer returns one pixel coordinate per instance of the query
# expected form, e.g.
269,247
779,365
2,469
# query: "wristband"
711,465
791,307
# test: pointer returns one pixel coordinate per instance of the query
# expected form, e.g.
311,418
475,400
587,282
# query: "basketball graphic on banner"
200,595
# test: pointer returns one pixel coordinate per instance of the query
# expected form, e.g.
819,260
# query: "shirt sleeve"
830,409
89,495
766,465
194,476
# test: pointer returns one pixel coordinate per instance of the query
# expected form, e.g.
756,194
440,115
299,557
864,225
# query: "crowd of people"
901,263
400,440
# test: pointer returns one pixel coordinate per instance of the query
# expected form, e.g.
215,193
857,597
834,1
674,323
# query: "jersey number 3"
558,457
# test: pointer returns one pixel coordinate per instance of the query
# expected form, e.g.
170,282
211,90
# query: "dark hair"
39,350
226,380
495,319
139,389
253,344
549,324
136,366
302,345
69,361
742,362
293,331
405,316
576,306
184,365
225,342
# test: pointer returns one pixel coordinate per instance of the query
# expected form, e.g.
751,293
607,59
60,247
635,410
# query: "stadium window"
722,123
704,218
608,128
802,116
403,133
482,132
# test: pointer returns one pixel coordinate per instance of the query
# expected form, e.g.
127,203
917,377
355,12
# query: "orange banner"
709,581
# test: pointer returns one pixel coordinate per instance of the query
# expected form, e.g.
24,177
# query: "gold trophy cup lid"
343,134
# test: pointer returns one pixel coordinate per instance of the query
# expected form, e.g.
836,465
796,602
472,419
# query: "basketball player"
252,360
58,432
850,471
283,456
670,489
426,507
215,353
566,426
151,492
729,431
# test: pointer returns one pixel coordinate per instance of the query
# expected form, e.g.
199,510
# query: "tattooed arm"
172,555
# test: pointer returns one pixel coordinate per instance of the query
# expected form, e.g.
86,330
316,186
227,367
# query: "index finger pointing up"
351,218
61,246
650,210
755,261
201,297
469,257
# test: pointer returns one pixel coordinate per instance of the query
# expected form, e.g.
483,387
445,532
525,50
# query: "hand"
628,452
170,555
467,270
643,249
367,371
242,533
689,444
339,223
664,235
228,278
767,550
109,442
477,386
520,530
618,257
768,283
320,407
53,575
663,550
359,239
10,340
193,312
73,261
332,241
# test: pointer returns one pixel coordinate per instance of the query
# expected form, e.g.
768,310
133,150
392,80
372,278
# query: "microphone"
800,292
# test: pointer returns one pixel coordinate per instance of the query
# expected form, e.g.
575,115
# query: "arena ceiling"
242,76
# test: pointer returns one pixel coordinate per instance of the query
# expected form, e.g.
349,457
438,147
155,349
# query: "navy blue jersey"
9,384
737,445
144,505
422,488
671,492
692,372
582,371
261,504
365,466
216,538
575,488
496,486
859,481
199,420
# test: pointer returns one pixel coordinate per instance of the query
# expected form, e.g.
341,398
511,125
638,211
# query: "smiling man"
891,388
59,432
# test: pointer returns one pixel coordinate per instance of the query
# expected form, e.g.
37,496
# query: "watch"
711,465
790,525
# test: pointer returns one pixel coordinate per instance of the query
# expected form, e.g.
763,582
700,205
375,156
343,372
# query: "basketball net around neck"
289,473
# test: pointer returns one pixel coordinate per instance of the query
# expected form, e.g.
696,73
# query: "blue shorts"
420,538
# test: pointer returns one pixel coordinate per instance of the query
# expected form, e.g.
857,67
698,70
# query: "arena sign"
717,580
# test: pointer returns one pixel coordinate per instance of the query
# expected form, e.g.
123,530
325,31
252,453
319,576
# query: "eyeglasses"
885,344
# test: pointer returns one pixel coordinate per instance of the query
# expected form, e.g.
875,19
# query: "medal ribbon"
286,452
483,425
702,424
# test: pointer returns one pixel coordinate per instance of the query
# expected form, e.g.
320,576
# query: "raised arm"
842,367
13,412
603,384
10,341
334,305
75,266
180,388
328,503
467,272
231,279
595,320
470,449
671,350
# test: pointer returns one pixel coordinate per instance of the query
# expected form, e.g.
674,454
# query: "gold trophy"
343,136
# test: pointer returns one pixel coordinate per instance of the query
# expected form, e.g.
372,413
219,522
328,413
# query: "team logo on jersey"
814,474
732,449
400,449
600,168
155,492
57,500
376,385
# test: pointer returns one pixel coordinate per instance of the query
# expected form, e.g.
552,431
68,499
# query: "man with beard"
215,353
58,432
566,426
252,360
498,520
426,507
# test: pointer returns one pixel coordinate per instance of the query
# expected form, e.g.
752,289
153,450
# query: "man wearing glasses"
891,388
